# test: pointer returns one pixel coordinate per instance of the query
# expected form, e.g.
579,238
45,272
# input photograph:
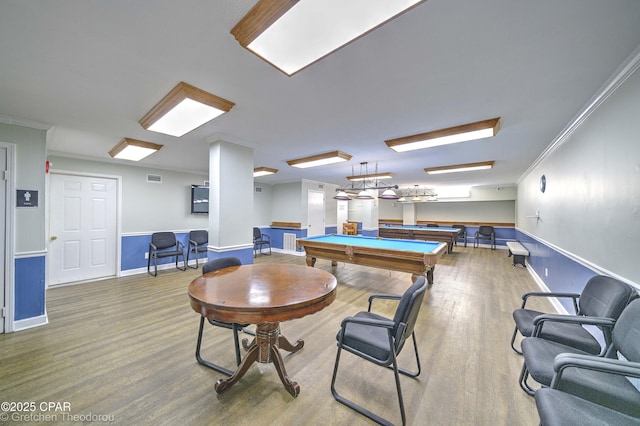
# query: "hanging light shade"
389,194
364,195
342,196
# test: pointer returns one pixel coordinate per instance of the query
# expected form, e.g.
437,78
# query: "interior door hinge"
3,312
5,175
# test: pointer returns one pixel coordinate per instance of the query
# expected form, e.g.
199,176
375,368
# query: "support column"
370,215
230,201
409,214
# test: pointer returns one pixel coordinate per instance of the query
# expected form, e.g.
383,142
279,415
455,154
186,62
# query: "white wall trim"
30,323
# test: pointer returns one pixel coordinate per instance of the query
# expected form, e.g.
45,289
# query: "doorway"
315,215
83,226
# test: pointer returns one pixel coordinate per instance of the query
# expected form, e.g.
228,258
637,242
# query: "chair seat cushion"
539,355
168,253
372,341
573,335
560,408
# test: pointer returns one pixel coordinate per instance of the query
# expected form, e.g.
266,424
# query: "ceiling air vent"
154,179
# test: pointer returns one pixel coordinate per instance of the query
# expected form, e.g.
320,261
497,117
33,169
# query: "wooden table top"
253,294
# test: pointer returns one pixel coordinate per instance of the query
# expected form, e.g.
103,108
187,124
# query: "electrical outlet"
146,255
546,272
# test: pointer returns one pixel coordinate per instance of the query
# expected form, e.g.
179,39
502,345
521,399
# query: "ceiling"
91,69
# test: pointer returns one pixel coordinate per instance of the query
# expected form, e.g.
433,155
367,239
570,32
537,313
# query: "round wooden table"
262,294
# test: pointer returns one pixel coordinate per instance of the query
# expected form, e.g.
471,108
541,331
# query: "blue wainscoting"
29,287
559,272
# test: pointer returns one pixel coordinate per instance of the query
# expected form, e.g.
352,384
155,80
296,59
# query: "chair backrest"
605,297
407,311
432,225
220,263
199,236
485,230
626,332
462,227
163,240
257,233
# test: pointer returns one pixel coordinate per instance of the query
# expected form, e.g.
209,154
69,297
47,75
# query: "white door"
3,224
83,227
315,216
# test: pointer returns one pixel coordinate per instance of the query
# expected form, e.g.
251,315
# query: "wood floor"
124,348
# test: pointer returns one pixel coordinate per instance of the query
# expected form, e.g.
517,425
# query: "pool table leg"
428,274
311,261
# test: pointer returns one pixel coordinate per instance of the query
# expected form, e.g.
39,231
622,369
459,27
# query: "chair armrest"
382,296
266,237
180,244
603,322
367,321
152,246
595,363
574,296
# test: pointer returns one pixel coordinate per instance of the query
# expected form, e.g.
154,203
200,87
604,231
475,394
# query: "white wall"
591,206
147,207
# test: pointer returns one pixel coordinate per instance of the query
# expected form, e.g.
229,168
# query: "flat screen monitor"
199,199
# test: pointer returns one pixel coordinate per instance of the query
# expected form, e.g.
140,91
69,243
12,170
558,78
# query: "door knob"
53,238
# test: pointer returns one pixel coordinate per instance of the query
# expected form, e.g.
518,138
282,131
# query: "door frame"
118,180
9,240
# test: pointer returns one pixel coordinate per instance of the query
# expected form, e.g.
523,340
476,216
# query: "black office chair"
380,340
602,296
260,240
212,266
590,390
198,241
462,234
539,353
432,225
485,232
164,244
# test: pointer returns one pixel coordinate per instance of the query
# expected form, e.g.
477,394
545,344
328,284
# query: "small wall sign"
27,198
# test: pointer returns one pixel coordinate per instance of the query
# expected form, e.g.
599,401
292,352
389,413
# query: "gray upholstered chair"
260,240
164,244
590,390
198,241
212,266
462,234
539,353
602,296
485,232
379,340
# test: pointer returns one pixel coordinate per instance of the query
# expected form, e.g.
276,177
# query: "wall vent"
154,179
289,243
258,189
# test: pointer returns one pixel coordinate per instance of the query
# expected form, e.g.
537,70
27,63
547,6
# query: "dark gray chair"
164,244
212,266
198,241
485,232
379,340
260,240
432,225
462,234
539,353
602,296
590,390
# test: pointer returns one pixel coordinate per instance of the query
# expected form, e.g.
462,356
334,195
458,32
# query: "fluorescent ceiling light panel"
320,159
372,176
292,34
460,168
264,171
184,109
133,149
465,132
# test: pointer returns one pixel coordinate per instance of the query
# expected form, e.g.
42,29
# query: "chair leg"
203,361
415,349
513,341
524,375
155,265
363,410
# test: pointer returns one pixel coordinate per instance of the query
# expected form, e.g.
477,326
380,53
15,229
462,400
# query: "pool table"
415,257
446,235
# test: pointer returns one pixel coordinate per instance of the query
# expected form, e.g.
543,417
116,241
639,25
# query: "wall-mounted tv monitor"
199,199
